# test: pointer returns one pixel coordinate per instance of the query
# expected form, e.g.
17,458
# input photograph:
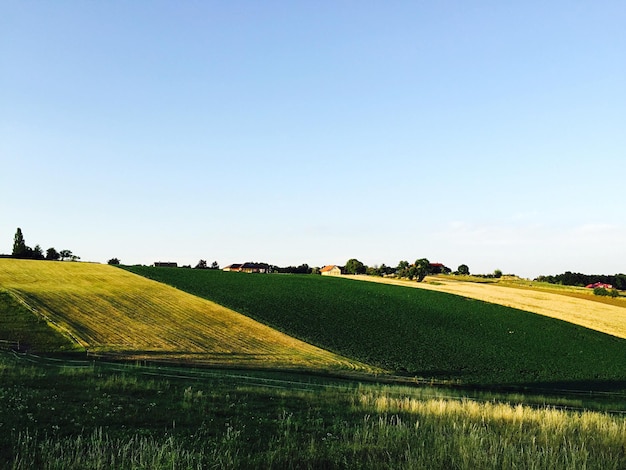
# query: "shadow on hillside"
575,386
443,376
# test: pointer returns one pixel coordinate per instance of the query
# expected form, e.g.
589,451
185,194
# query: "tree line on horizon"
421,268
417,271
568,278
23,251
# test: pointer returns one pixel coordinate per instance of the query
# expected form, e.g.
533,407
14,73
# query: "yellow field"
600,316
106,309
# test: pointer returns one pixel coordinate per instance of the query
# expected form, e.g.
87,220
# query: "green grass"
20,328
418,332
97,416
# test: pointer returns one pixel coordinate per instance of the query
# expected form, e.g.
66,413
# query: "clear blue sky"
487,133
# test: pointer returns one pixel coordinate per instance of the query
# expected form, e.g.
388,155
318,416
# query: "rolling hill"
419,332
564,303
108,310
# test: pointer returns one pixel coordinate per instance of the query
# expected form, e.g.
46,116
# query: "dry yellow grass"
107,309
598,316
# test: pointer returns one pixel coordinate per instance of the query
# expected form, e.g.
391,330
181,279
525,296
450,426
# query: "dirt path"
597,316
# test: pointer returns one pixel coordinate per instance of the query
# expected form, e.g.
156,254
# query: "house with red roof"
601,285
331,270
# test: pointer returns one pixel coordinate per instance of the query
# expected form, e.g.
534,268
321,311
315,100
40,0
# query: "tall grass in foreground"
391,433
104,416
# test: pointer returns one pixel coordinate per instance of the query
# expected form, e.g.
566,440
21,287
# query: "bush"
600,291
605,292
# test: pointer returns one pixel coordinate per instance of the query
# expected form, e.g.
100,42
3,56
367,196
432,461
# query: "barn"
331,270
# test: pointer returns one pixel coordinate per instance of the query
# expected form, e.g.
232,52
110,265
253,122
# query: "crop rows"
110,310
423,333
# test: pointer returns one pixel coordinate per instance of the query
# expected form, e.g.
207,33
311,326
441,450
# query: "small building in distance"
439,268
255,268
601,285
248,268
331,270
165,264
232,267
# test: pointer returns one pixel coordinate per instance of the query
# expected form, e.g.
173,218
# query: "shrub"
605,292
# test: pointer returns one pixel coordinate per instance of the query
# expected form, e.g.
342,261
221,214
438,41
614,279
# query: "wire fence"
9,345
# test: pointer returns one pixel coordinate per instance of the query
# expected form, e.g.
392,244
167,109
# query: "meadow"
417,332
96,415
22,330
106,311
572,304
72,411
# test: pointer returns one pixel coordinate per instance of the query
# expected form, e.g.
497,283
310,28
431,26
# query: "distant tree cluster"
23,251
202,264
354,266
382,270
418,270
463,270
302,269
618,281
604,292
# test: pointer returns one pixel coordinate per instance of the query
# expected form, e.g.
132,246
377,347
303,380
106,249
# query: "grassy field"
572,304
83,414
98,416
108,310
416,331
21,329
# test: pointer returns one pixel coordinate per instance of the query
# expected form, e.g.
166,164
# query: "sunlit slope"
420,332
110,310
610,319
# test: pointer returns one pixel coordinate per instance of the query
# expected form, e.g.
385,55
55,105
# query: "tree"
52,254
114,261
422,268
201,264
65,254
354,266
463,269
37,253
20,250
497,274
215,265
403,269
373,271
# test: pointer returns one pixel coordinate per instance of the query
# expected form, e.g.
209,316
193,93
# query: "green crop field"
418,332
110,311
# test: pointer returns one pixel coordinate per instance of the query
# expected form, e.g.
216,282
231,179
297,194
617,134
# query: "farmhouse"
599,284
233,267
248,268
331,270
165,264
438,268
255,268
